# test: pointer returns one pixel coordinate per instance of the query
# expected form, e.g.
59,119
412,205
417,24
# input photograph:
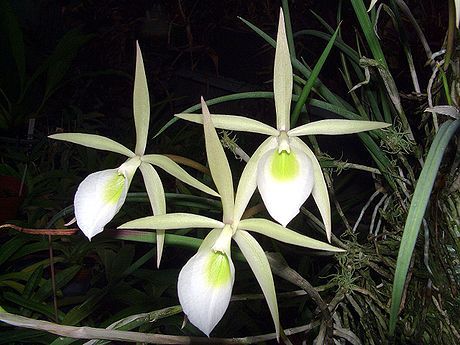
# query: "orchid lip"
285,180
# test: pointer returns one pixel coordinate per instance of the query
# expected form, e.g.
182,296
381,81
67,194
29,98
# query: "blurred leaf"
10,247
43,309
61,58
80,312
117,263
21,335
33,282
62,278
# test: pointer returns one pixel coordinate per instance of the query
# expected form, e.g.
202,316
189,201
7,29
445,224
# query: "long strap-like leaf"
416,213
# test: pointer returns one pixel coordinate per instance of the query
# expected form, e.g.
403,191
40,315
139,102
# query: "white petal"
205,286
285,180
282,78
98,198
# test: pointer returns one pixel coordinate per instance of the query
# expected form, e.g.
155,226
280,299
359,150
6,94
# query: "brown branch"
51,232
189,162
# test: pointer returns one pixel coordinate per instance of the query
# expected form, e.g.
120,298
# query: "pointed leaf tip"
258,262
141,103
282,78
218,164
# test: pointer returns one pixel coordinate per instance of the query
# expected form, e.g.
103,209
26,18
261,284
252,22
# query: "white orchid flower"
101,195
284,168
206,281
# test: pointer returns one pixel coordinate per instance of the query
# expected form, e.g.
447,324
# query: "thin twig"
374,213
446,316
361,214
53,278
336,202
281,269
50,232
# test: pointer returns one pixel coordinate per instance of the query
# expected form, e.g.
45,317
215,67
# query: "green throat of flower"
218,269
114,189
284,165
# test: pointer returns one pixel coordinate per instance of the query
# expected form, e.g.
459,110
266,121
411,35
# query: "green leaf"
258,262
232,123
313,77
10,247
319,192
149,237
61,279
339,43
30,304
21,336
173,221
282,78
248,179
368,30
218,164
60,60
78,313
94,141
217,100
171,167
416,212
306,72
116,263
157,200
280,233
336,127
141,104
33,282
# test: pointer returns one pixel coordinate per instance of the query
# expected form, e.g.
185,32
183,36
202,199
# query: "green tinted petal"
175,170
218,164
280,233
157,200
232,122
319,192
258,262
141,104
282,78
172,221
93,141
248,179
336,127
284,166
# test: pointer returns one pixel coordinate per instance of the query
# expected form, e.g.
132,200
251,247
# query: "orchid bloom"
206,281
284,168
100,196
